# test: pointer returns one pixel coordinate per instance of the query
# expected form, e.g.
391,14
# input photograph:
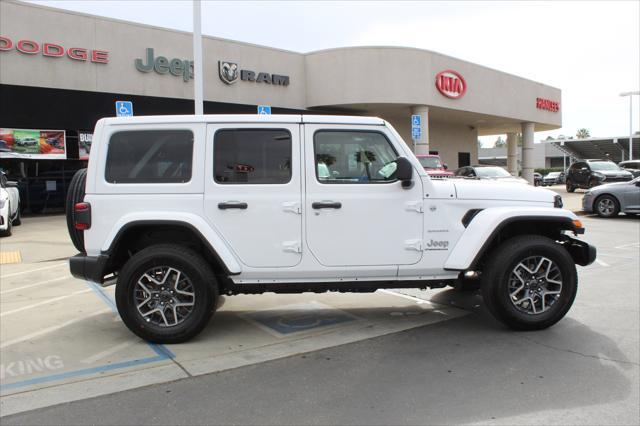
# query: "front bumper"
89,268
587,202
582,253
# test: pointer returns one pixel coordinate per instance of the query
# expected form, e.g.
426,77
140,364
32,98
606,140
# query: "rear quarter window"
150,156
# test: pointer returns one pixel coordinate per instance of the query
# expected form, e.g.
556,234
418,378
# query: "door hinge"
292,206
416,206
413,245
292,247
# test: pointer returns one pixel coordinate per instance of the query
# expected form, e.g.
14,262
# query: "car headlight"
587,194
599,175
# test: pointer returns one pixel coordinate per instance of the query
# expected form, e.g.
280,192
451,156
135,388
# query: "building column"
512,153
527,151
421,146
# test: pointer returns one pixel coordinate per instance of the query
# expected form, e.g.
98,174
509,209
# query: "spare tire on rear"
75,194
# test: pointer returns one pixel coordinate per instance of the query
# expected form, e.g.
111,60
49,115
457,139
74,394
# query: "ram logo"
228,71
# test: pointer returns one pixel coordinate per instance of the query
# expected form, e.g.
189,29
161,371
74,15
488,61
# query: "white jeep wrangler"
179,210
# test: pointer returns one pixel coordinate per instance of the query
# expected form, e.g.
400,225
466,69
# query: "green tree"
500,142
582,133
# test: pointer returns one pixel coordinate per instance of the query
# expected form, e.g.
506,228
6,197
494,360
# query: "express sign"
547,104
451,84
30,47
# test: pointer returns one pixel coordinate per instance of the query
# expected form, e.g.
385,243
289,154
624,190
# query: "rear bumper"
89,268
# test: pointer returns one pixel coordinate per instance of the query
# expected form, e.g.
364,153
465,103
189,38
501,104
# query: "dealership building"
61,71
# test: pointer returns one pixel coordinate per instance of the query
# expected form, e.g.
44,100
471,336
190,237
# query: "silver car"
610,199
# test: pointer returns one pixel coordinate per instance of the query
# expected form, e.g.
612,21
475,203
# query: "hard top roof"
244,118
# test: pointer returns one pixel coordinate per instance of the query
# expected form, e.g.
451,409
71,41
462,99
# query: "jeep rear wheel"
166,293
529,283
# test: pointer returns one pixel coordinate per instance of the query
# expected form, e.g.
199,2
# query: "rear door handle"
326,205
232,205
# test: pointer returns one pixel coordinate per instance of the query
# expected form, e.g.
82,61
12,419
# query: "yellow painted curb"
10,257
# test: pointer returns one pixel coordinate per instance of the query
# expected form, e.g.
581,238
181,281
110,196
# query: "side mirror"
446,167
404,172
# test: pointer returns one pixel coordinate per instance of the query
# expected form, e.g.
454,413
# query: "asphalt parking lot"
406,357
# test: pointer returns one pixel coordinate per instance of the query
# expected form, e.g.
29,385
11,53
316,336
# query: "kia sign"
451,84
547,104
52,50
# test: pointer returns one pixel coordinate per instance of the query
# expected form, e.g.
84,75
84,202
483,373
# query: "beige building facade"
44,49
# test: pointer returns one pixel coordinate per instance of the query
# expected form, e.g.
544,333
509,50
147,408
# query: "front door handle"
326,205
232,205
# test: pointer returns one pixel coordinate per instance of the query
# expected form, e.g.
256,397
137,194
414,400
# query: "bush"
544,172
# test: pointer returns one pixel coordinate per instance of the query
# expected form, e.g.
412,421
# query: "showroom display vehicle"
180,210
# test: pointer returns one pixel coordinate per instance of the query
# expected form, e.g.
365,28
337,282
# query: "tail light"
82,216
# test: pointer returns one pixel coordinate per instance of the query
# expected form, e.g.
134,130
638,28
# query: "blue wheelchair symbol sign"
264,109
416,133
416,120
124,109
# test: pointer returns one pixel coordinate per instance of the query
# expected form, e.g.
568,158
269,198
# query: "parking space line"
34,285
405,296
97,357
44,302
601,263
31,270
49,329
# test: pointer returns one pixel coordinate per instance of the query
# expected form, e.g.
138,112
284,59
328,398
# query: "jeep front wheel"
529,282
569,186
166,293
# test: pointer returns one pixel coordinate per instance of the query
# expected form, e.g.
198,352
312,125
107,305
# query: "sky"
588,49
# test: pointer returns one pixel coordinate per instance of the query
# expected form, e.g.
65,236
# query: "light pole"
630,95
197,59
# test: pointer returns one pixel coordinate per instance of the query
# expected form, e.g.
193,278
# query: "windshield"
604,165
553,174
492,172
430,162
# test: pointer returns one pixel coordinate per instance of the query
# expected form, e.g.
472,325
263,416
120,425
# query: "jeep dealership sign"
451,84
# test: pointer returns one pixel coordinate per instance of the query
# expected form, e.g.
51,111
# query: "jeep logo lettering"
451,84
437,245
162,65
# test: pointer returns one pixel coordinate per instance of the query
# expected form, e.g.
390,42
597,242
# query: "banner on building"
84,144
29,143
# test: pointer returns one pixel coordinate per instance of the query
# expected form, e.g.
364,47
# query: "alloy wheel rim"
164,296
605,206
535,284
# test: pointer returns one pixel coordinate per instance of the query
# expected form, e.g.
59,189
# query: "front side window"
252,156
353,157
150,156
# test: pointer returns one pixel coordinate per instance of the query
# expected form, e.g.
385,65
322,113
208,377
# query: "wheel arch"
139,234
484,234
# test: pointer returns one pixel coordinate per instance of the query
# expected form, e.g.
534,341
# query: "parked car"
9,205
488,172
434,167
4,146
537,179
268,214
551,178
27,142
632,166
589,173
610,199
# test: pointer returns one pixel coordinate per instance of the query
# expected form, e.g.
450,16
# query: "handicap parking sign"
416,120
124,109
416,133
264,109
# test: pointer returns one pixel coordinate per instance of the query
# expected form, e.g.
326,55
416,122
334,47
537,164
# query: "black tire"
192,267
593,182
75,194
606,206
569,186
17,221
7,232
503,261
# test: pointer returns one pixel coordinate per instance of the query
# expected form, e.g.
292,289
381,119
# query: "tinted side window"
352,157
150,156
252,156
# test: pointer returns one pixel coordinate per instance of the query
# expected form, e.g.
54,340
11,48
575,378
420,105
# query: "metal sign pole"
197,59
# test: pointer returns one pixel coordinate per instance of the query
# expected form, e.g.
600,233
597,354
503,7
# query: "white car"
177,210
9,205
27,142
